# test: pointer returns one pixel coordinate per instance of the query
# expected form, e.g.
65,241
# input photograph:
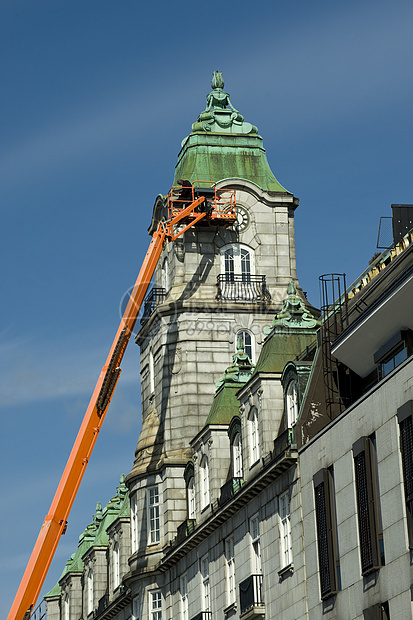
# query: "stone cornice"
270,471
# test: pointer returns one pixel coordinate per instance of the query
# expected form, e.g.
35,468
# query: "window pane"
153,515
245,264
237,456
229,263
292,403
285,530
246,340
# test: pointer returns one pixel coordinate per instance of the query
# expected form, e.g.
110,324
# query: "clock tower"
213,288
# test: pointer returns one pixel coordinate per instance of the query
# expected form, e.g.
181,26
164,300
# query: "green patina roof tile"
225,405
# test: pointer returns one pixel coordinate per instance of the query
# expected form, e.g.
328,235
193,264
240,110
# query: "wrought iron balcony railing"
185,529
103,603
229,489
203,615
242,287
152,299
39,613
250,592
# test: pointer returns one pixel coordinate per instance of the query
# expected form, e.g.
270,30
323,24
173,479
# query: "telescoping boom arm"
216,207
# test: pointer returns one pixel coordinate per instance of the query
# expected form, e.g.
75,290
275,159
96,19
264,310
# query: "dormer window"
204,478
116,566
254,436
191,499
89,591
237,456
189,476
291,403
66,608
247,340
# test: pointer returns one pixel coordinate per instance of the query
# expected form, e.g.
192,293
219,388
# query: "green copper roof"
75,562
95,534
292,330
222,145
225,404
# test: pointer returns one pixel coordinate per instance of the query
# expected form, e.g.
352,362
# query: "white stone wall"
374,413
284,596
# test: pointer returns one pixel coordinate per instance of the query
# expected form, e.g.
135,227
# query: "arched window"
204,475
245,260
291,403
248,341
237,281
189,476
191,499
116,565
237,260
235,440
254,436
237,456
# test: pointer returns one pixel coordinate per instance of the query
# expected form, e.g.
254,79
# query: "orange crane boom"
222,211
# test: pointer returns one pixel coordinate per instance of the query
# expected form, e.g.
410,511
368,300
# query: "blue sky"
96,98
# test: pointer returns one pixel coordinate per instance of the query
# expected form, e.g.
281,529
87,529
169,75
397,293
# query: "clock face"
243,219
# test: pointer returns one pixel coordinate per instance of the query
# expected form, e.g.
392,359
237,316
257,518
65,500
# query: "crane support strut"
221,211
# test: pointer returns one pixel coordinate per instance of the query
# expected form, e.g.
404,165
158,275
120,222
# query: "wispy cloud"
41,371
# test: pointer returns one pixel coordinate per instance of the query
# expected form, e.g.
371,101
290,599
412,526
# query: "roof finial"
217,80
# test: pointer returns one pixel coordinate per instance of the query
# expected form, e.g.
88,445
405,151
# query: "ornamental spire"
220,114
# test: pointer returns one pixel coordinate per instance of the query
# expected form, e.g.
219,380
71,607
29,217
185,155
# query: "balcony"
229,489
203,615
152,299
251,599
185,529
242,288
103,604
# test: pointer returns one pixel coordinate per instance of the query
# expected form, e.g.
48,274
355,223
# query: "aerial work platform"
218,204
209,205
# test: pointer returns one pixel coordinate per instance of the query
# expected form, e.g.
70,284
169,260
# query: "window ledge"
286,571
257,612
232,608
255,464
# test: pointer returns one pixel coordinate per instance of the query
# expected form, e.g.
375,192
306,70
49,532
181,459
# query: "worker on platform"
185,196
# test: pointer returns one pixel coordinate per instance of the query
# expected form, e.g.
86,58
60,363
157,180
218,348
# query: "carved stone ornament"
250,399
259,394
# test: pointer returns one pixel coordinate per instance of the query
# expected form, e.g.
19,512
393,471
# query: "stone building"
269,437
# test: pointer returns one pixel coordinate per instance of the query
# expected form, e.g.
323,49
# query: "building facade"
268,480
